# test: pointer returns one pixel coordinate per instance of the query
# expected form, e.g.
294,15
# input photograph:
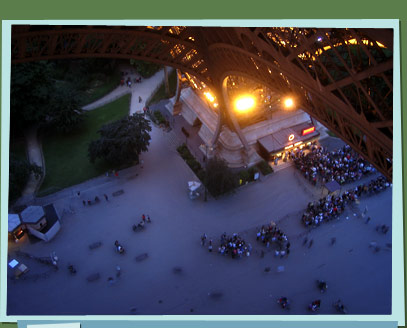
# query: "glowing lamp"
209,96
245,103
288,103
291,137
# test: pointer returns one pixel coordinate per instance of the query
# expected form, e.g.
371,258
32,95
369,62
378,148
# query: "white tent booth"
193,187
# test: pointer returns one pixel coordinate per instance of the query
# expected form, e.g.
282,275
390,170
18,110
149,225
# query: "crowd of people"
343,165
330,207
271,234
233,245
128,81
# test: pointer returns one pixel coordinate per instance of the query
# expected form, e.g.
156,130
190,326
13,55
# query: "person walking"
305,241
203,239
364,212
118,271
107,198
84,203
210,246
139,99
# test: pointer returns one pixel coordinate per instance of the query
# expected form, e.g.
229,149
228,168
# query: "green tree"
219,177
37,98
30,93
65,112
122,141
19,173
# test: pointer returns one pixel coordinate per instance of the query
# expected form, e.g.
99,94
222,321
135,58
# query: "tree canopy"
122,141
37,98
219,177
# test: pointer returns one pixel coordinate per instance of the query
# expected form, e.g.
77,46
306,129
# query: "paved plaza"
355,274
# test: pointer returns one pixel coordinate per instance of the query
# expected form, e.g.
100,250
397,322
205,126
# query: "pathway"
145,90
34,154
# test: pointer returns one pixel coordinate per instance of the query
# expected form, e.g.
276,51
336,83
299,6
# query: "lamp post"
206,171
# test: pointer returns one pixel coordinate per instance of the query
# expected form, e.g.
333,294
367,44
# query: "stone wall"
229,146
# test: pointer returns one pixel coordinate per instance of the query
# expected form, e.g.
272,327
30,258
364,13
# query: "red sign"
308,130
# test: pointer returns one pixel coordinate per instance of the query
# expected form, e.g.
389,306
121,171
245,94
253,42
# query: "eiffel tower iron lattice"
343,77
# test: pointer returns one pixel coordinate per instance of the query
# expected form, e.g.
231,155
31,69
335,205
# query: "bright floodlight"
209,96
288,103
245,103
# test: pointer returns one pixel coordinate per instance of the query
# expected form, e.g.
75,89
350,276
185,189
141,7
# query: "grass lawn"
160,93
100,88
66,156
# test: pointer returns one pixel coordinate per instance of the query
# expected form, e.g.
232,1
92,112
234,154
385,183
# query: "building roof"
278,140
32,214
13,222
52,217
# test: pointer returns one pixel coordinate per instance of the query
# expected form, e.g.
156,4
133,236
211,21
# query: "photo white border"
397,199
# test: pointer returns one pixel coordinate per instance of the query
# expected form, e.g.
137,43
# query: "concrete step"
281,165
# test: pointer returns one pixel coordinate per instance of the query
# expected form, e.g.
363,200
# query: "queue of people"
343,165
330,207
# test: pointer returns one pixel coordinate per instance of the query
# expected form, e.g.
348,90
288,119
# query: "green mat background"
209,9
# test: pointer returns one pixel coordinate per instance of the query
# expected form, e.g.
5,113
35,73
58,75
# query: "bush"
190,160
252,171
247,175
194,164
160,119
265,168
244,176
158,116
184,152
201,174
219,178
